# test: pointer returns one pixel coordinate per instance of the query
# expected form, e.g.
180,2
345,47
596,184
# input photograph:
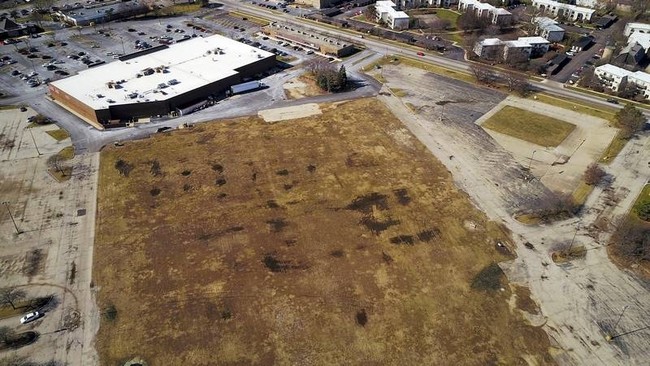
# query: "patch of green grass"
580,107
251,18
58,135
6,107
642,200
449,15
490,278
400,93
613,149
529,126
581,193
67,152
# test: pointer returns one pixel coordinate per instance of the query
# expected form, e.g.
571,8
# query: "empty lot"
331,239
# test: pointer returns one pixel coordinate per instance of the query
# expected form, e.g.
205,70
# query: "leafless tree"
10,295
517,83
594,174
484,74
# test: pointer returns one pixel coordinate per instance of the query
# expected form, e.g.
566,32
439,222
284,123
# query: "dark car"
613,101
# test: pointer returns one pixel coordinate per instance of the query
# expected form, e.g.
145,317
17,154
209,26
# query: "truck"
245,87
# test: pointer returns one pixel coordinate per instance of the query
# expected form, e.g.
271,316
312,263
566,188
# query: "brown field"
329,240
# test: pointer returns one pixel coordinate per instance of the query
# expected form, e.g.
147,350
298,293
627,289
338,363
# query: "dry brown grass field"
329,240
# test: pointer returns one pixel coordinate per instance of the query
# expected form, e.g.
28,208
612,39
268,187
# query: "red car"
420,53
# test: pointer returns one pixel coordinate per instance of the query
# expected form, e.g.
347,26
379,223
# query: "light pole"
6,204
572,241
530,162
609,337
123,51
34,141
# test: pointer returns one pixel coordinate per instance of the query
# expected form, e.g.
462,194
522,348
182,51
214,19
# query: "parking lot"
49,250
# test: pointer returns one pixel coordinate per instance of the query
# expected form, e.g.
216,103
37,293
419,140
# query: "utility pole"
6,204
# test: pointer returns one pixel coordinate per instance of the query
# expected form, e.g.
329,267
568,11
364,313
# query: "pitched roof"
8,24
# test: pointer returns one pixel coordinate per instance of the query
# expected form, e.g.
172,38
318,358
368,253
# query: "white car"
30,317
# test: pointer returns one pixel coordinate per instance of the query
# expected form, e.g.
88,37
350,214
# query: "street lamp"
6,204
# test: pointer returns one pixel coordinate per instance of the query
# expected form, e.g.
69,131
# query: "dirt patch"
311,275
286,113
302,87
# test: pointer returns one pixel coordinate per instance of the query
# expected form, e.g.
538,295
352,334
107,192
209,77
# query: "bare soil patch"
299,257
302,87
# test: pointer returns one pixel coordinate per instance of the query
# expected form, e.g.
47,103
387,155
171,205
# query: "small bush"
489,279
643,211
110,313
123,167
362,317
156,170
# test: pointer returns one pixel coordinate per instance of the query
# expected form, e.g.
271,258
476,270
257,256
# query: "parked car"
613,101
30,317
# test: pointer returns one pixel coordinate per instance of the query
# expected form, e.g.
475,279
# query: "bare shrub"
594,174
123,167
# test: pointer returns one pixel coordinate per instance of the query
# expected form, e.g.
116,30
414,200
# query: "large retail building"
159,81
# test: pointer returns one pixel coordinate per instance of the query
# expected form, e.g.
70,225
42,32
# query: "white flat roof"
491,42
389,7
641,38
642,76
192,63
534,40
613,70
517,43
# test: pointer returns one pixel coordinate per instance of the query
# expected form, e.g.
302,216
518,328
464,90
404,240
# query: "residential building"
516,51
548,28
612,77
539,45
387,13
489,49
631,55
498,16
641,38
636,28
572,12
410,4
494,49
642,81
587,3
